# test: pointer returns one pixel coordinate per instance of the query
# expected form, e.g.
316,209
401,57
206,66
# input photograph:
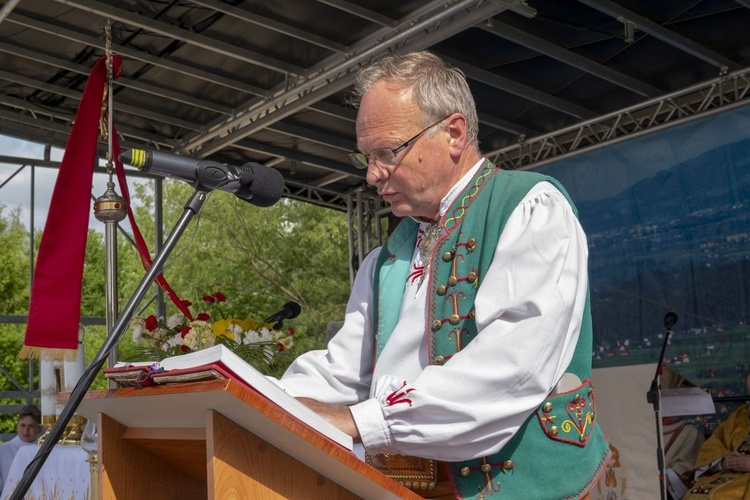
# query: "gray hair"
437,89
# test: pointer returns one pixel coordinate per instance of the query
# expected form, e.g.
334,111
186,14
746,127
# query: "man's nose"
375,172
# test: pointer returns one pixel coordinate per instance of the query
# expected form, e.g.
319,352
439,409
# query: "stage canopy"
239,81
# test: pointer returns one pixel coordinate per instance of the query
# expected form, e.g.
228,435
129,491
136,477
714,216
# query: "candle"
47,387
73,370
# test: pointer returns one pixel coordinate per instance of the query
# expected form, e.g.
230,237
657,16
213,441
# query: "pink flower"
220,297
209,299
290,330
203,317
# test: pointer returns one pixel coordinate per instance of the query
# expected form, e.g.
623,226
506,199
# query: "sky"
17,192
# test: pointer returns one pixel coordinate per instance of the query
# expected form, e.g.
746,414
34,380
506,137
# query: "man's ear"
457,134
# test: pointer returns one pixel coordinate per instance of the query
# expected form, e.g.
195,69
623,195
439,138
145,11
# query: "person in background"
463,363
722,468
683,442
682,439
28,427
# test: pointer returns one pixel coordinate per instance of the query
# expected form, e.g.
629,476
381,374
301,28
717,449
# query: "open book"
219,362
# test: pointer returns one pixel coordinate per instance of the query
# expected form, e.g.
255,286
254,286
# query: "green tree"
14,296
259,258
14,300
93,301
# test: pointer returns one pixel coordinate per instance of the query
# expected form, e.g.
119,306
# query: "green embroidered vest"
559,451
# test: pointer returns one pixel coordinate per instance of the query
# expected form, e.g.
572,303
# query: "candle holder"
73,431
90,444
47,422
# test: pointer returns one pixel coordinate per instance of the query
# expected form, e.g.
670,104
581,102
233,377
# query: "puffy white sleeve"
342,373
529,309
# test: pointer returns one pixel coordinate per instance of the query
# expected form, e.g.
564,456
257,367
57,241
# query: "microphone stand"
192,207
654,397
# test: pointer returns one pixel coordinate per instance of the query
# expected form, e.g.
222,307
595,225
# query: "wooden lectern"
220,440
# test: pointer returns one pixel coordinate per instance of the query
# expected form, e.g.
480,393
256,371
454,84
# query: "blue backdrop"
667,216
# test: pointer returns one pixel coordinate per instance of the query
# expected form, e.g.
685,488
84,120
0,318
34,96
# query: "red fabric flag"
55,306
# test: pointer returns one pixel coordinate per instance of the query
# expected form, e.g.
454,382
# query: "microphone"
669,320
255,183
289,311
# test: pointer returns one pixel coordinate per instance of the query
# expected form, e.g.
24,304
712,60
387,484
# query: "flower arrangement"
251,340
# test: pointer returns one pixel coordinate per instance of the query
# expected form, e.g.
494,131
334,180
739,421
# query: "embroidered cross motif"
427,239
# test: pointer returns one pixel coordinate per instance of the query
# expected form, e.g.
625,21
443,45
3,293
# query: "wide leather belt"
419,474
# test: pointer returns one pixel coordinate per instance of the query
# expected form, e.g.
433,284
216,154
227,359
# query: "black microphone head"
294,309
266,187
670,319
126,156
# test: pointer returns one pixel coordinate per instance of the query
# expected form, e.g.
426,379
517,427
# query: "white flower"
175,341
234,329
251,337
175,320
161,333
200,336
137,325
266,335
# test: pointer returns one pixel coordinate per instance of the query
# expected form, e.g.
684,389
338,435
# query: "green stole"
559,451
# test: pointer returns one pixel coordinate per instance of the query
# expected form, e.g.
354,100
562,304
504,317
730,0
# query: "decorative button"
472,276
508,464
554,430
547,407
407,484
452,280
448,256
454,319
465,471
423,486
439,360
485,468
441,290
436,324
577,398
471,244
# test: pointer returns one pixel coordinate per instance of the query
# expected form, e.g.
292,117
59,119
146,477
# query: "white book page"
266,386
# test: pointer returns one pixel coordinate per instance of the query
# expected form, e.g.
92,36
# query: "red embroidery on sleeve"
399,396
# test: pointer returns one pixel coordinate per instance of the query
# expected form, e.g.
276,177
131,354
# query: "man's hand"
736,461
340,416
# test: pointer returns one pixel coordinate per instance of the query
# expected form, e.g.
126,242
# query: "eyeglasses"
385,156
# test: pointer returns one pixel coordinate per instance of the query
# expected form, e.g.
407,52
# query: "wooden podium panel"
220,440
163,468
245,466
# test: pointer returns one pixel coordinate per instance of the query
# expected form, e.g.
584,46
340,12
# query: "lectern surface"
183,410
